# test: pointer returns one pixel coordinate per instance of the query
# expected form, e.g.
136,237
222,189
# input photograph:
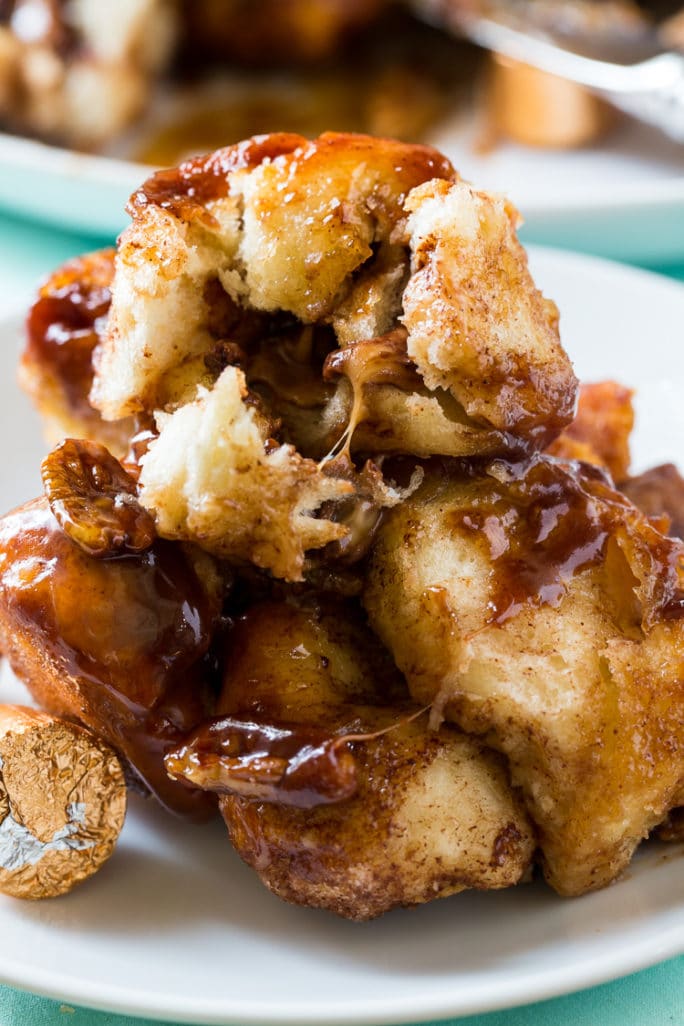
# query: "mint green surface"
654,997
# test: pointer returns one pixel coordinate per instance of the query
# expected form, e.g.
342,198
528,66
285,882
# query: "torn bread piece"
334,232
356,292
213,477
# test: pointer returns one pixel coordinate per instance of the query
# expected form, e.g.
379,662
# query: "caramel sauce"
375,361
65,324
186,189
291,764
547,521
291,368
368,363
119,644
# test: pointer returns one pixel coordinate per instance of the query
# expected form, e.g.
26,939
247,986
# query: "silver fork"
651,90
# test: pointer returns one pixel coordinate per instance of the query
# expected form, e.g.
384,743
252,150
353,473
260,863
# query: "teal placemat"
654,997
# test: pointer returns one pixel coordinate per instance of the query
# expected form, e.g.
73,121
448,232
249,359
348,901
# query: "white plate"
176,927
623,198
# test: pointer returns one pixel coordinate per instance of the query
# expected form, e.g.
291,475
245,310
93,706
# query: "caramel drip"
65,324
547,521
184,190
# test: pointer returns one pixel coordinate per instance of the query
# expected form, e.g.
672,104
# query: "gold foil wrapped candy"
62,803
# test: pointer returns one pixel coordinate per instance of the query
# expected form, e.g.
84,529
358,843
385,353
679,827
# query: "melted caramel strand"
375,361
549,520
298,765
184,190
362,513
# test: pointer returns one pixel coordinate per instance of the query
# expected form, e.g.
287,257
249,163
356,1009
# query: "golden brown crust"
551,625
477,326
433,812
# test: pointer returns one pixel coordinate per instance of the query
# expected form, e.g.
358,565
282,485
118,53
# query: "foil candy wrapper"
62,803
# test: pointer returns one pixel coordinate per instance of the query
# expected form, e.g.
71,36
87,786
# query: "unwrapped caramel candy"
62,803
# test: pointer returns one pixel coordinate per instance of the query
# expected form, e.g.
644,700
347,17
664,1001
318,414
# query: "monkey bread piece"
280,223
212,477
600,432
116,643
63,327
321,231
332,785
373,246
533,605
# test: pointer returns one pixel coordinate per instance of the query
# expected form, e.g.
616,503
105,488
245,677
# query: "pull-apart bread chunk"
331,783
283,300
533,605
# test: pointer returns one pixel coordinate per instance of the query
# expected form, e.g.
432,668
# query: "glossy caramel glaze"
293,744
428,812
67,321
118,644
186,189
547,521
290,764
